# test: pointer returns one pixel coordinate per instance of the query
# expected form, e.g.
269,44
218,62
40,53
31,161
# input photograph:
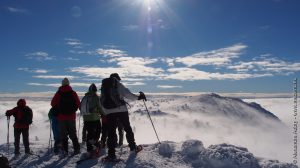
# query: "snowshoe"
138,148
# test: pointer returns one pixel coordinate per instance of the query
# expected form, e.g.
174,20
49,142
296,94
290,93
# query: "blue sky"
155,45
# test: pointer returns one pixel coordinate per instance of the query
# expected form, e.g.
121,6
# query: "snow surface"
211,118
188,154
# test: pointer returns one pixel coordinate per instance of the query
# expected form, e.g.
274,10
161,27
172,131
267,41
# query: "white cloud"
138,71
136,68
169,61
42,71
133,61
42,84
130,27
40,56
58,84
16,10
132,79
168,86
54,76
88,52
111,52
267,64
192,74
71,59
75,43
217,57
134,83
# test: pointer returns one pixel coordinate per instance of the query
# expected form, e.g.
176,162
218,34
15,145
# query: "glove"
7,114
142,96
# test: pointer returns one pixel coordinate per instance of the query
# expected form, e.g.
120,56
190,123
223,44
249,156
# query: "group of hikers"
101,114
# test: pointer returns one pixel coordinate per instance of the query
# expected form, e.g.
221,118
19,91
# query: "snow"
182,120
187,154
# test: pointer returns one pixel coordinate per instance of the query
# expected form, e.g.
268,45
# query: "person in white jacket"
120,113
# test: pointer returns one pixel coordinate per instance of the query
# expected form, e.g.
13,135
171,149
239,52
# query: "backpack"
110,97
67,104
86,106
4,162
26,116
53,112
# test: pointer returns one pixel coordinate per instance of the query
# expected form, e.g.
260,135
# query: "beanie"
93,88
65,82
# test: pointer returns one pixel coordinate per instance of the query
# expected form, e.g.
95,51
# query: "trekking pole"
151,121
78,131
8,121
50,137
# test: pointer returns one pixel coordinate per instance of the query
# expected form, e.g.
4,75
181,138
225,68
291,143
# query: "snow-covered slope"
211,118
187,154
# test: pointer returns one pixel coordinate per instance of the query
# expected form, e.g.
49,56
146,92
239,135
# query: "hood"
65,88
21,103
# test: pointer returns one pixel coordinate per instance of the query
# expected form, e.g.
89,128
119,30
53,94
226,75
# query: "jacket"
17,112
124,93
56,99
93,103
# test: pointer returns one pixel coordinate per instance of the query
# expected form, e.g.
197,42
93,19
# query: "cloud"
134,83
169,61
168,86
219,57
111,52
130,27
42,71
40,56
127,72
266,63
55,76
88,52
192,74
43,84
75,43
224,61
132,79
71,59
59,84
16,10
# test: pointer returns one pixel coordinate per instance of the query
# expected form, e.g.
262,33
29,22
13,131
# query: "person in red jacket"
67,102
23,118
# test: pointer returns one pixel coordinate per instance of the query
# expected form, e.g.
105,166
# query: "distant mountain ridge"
209,104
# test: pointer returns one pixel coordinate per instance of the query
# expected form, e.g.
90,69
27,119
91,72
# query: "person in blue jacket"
55,128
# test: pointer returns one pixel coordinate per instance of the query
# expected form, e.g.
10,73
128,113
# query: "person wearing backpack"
67,102
91,110
112,99
53,112
23,118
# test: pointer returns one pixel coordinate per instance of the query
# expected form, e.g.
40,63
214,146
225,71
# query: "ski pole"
151,121
8,121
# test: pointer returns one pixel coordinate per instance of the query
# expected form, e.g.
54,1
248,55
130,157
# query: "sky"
154,45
